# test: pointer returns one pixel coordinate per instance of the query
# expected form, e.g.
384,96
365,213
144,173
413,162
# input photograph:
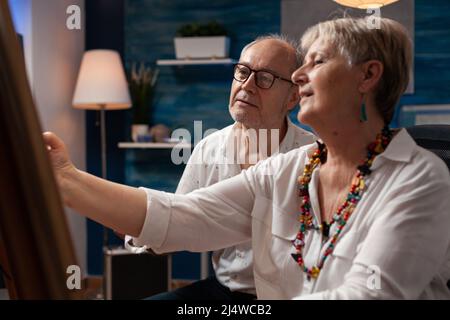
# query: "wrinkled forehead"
271,55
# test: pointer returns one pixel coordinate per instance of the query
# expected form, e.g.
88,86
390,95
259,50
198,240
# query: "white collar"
401,149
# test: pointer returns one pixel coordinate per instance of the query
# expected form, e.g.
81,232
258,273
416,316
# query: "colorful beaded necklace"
344,212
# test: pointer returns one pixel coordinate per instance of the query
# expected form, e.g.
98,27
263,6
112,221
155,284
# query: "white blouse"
396,244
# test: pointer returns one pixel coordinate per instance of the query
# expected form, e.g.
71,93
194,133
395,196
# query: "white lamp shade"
101,82
365,4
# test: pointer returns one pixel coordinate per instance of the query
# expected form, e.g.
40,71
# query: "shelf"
183,62
153,145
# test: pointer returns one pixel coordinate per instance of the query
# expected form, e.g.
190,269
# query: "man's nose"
250,83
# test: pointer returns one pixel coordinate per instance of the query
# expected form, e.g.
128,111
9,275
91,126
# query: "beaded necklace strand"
344,211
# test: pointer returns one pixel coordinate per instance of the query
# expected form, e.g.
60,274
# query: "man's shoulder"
216,136
285,163
214,140
299,137
301,133
210,146
295,153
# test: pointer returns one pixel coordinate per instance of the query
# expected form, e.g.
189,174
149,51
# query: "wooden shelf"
153,145
183,62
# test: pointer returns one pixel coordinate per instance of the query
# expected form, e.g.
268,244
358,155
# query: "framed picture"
35,245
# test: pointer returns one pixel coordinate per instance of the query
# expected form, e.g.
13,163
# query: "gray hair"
354,39
282,38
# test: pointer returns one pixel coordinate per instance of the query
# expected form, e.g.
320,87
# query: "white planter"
202,47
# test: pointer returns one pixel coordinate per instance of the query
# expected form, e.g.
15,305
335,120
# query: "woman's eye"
318,61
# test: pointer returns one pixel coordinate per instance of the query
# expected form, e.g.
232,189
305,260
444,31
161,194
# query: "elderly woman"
363,214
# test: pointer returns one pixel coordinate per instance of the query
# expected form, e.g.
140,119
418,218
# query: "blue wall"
432,55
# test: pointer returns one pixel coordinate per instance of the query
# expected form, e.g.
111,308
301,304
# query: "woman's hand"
119,207
58,153
63,168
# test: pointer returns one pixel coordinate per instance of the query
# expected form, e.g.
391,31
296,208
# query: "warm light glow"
365,4
101,82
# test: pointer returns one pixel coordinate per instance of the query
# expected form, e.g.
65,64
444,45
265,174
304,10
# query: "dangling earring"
363,114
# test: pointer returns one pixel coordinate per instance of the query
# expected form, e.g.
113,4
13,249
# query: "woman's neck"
347,145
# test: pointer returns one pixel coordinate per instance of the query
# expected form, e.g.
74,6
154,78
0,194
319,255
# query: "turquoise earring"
363,115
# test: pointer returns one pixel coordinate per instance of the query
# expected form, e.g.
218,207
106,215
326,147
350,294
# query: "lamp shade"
101,82
365,4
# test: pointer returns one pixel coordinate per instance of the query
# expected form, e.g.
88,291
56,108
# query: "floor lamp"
102,86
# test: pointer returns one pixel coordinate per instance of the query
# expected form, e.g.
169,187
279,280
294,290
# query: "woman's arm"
206,219
119,207
203,220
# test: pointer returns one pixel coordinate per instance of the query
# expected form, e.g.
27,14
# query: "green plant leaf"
195,29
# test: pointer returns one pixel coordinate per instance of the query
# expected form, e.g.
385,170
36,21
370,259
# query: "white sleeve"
190,180
206,219
407,243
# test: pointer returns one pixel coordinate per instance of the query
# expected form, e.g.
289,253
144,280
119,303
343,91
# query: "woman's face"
328,87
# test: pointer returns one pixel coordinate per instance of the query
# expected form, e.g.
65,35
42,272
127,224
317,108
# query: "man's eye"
318,61
242,73
266,77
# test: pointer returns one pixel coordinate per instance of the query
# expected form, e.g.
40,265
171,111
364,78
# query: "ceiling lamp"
365,4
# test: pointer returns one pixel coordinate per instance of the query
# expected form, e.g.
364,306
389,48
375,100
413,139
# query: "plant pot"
202,47
140,133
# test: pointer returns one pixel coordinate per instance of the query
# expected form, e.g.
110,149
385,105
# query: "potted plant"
196,41
142,81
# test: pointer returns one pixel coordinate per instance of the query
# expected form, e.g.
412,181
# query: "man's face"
259,108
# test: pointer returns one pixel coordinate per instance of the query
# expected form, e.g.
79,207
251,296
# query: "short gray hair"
354,39
282,38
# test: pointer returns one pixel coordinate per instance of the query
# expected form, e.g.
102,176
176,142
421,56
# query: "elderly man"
261,97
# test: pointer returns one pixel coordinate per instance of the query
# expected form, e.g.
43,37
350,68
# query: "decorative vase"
160,133
140,133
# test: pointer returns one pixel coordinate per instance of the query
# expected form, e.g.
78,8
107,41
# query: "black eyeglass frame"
236,65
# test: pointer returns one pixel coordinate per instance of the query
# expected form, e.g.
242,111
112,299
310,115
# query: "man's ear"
294,98
372,71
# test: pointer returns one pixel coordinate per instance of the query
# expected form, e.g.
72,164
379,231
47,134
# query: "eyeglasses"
263,79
